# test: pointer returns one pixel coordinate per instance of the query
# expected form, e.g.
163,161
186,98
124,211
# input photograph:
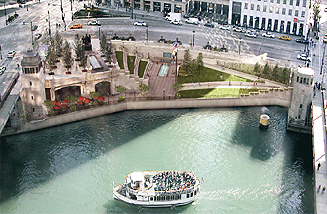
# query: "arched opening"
103,88
62,93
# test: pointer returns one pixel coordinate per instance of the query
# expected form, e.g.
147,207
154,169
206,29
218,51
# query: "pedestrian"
241,82
221,76
319,187
314,94
208,84
194,83
319,165
199,83
323,189
229,83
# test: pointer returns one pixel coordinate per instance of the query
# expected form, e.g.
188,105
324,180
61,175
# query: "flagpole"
176,66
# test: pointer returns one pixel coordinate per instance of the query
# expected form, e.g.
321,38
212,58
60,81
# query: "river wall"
274,97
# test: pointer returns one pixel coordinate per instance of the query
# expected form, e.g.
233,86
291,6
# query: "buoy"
264,121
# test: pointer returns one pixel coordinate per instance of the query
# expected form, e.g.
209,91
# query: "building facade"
284,16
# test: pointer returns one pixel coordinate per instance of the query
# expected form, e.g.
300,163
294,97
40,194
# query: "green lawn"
131,62
210,75
142,67
119,56
215,92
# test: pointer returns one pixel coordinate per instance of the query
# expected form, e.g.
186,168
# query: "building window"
303,14
300,105
30,83
265,0
258,7
299,116
252,6
291,2
290,12
277,10
283,11
301,80
264,8
278,1
297,79
305,80
297,2
26,70
296,13
284,1
33,109
32,97
304,3
32,70
271,9
37,69
246,5
271,1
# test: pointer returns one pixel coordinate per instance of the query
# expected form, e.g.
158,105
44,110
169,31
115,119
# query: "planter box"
68,72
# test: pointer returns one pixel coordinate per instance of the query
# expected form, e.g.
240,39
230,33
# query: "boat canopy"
137,176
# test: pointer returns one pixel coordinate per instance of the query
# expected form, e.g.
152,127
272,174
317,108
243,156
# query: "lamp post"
239,47
147,34
32,35
193,39
4,6
99,31
132,7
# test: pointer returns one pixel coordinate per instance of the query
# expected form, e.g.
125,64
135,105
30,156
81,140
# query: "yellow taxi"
75,26
285,37
325,39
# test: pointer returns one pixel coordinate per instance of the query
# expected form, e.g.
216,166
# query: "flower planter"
68,72
84,70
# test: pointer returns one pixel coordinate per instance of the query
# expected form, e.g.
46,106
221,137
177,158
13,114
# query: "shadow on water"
31,159
265,143
116,206
297,193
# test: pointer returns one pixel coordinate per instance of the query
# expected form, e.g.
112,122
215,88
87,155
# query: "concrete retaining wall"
272,98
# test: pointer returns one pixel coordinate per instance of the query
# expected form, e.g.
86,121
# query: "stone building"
299,112
33,77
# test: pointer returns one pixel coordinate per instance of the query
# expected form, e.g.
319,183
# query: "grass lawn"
210,75
131,62
119,56
215,92
142,67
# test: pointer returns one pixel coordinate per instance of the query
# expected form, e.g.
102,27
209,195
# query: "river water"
71,168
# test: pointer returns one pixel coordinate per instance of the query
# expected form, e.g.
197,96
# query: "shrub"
120,99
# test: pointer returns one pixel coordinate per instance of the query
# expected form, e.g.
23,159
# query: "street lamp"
71,8
239,47
132,7
193,38
147,34
99,31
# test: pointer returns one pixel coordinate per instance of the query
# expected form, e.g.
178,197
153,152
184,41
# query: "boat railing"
181,191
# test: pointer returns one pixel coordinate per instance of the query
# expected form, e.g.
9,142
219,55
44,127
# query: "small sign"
295,19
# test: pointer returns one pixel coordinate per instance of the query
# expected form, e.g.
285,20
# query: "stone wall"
275,97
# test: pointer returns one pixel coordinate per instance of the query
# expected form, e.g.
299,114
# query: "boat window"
195,192
191,194
188,195
151,198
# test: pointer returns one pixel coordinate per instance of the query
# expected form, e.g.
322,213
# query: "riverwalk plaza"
284,16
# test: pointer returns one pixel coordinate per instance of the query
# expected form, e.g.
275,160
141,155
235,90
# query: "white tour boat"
158,188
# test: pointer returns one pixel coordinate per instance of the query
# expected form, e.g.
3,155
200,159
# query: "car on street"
224,27
268,34
11,54
304,41
34,27
303,57
238,29
38,35
140,23
250,34
325,39
209,24
94,22
285,37
176,22
76,26
2,69
194,21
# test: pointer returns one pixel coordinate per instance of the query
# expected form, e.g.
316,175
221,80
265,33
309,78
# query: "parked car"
238,29
76,26
303,57
285,37
38,35
250,34
11,54
224,27
304,41
2,69
34,27
209,24
94,22
140,23
175,22
268,34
